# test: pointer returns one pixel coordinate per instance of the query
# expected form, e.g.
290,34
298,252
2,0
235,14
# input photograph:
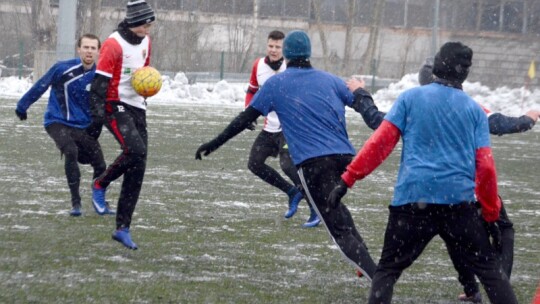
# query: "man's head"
452,62
139,17
297,46
88,47
274,45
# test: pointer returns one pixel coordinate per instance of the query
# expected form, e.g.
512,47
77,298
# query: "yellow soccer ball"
146,81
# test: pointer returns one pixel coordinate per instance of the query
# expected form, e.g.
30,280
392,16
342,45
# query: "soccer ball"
146,81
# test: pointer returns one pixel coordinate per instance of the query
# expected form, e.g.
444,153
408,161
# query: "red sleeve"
147,63
253,83
486,184
110,56
373,153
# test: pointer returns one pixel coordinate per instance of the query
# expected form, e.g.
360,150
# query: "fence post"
222,65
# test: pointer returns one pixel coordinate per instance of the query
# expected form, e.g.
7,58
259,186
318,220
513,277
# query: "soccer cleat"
109,210
359,274
122,235
475,298
76,211
313,220
98,199
295,196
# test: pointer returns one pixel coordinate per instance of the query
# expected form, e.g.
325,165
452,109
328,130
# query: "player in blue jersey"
67,118
499,124
446,163
311,108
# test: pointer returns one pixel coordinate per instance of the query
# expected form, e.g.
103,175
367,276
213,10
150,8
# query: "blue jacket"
311,108
69,96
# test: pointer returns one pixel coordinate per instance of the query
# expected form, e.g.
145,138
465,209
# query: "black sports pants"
77,146
271,145
319,176
412,226
128,125
505,254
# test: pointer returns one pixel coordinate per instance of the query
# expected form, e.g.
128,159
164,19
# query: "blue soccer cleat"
98,200
122,235
313,220
76,211
295,196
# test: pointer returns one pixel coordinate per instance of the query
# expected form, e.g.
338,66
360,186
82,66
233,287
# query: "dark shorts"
64,135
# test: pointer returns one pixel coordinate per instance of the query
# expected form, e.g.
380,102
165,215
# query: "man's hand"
337,193
206,149
21,115
495,233
252,126
355,83
534,115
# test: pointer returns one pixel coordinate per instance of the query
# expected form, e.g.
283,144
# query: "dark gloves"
337,193
495,233
252,126
21,115
207,148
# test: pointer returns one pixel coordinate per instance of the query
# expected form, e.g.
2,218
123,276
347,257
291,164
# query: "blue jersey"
69,96
442,128
310,105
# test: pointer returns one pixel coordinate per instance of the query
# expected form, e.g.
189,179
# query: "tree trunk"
479,14
42,25
251,36
351,16
95,10
316,5
376,18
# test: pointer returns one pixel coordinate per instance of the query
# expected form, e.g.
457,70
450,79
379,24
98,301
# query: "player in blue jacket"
67,118
499,124
311,107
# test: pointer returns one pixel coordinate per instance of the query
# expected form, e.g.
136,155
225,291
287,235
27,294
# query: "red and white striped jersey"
259,74
118,60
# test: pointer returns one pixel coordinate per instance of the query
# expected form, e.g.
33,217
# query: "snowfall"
177,90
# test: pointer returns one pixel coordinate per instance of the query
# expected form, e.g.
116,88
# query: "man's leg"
506,252
319,178
62,137
470,240
408,232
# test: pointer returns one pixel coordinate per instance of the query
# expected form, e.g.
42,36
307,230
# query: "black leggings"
412,226
505,253
76,146
319,177
128,125
271,145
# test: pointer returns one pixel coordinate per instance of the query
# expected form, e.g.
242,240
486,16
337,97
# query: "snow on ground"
508,101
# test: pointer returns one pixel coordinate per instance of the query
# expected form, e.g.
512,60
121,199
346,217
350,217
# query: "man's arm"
237,125
486,184
253,84
98,94
500,124
35,92
363,104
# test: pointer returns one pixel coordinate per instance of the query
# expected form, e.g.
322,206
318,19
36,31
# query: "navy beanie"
452,62
139,13
297,45
425,74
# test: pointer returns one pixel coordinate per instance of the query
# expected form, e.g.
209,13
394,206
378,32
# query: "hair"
89,36
276,35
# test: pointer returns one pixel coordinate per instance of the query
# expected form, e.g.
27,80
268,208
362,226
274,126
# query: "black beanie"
452,62
139,13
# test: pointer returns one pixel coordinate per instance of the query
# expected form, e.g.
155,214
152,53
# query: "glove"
206,149
21,115
337,193
252,126
495,233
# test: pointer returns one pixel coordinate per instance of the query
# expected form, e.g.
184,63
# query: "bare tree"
351,16
251,35
407,48
479,14
316,5
43,24
376,17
